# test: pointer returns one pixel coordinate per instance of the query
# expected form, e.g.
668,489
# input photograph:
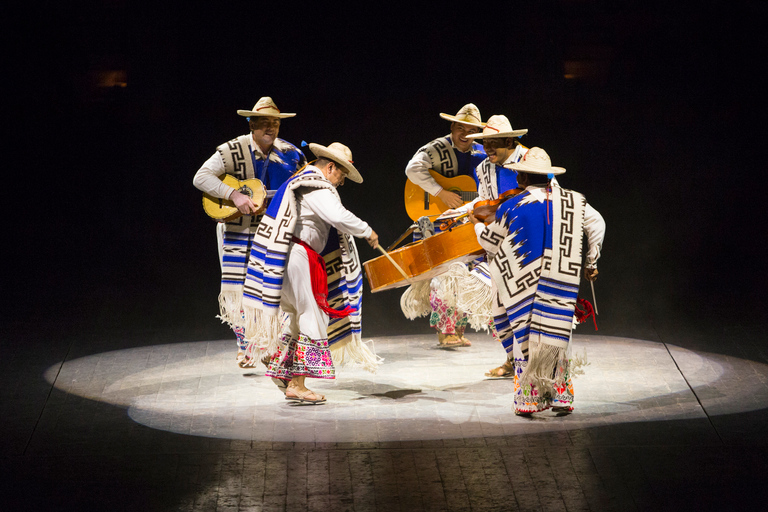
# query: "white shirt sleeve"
330,210
594,229
417,171
208,178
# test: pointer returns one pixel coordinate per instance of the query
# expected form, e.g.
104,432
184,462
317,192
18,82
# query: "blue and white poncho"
536,266
266,270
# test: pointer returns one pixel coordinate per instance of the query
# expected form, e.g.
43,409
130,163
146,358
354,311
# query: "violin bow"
402,237
385,253
592,284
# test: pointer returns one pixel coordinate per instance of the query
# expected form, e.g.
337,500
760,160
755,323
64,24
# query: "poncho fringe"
262,316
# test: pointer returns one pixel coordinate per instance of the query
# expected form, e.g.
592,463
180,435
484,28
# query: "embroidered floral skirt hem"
529,398
446,319
302,356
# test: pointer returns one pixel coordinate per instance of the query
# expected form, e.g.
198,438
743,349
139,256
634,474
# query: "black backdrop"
661,132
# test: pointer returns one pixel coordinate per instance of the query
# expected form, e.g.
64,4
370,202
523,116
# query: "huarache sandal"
301,397
504,371
246,362
281,384
449,341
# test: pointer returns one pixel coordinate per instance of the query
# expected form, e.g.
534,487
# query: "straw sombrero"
497,127
536,161
264,107
340,154
468,114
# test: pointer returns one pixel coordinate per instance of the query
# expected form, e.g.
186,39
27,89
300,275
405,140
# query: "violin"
485,211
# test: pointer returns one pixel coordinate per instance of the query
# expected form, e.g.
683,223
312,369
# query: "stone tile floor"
178,426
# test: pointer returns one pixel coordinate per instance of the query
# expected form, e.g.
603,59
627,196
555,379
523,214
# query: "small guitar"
224,209
419,203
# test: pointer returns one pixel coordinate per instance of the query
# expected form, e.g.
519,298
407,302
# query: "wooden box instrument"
424,259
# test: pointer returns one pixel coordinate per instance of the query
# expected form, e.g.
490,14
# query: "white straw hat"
264,107
468,114
536,161
497,127
340,154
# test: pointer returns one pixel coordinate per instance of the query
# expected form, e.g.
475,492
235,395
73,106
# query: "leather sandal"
301,397
449,340
281,384
246,362
505,371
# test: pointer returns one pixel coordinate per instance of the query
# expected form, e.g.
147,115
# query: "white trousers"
298,301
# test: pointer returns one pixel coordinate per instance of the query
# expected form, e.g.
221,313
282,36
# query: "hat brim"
454,119
251,113
525,167
323,152
502,135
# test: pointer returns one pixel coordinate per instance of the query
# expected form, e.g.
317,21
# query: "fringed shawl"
236,236
445,160
537,271
266,270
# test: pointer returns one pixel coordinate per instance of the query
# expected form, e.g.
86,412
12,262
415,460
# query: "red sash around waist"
319,280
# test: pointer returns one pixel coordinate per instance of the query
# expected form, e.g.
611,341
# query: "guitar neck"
468,196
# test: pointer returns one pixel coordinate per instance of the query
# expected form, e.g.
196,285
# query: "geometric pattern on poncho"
282,161
266,270
536,267
537,271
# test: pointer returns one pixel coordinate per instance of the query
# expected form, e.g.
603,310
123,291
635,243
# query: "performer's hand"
472,218
590,274
373,240
243,203
451,199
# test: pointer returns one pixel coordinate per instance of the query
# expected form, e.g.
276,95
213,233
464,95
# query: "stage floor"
179,426
419,393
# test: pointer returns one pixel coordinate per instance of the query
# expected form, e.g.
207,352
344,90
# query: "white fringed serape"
414,302
537,285
468,291
235,237
262,315
474,293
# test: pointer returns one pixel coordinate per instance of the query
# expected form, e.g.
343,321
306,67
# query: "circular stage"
420,392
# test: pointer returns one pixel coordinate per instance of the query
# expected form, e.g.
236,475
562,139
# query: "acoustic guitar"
224,209
419,203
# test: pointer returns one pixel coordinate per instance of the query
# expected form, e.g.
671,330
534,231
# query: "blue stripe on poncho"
529,223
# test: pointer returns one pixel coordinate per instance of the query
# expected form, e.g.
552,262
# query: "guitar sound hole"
247,191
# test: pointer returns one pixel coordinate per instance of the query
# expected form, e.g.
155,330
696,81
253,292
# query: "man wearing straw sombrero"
500,142
259,154
303,290
452,155
535,260
474,293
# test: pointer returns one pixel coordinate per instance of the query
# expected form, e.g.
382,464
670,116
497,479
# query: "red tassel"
584,310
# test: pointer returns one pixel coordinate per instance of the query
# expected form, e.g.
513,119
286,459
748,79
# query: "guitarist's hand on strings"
373,240
451,199
243,203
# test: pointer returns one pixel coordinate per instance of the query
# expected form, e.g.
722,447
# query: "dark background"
660,126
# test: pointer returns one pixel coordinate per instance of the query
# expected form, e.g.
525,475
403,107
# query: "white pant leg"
297,298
